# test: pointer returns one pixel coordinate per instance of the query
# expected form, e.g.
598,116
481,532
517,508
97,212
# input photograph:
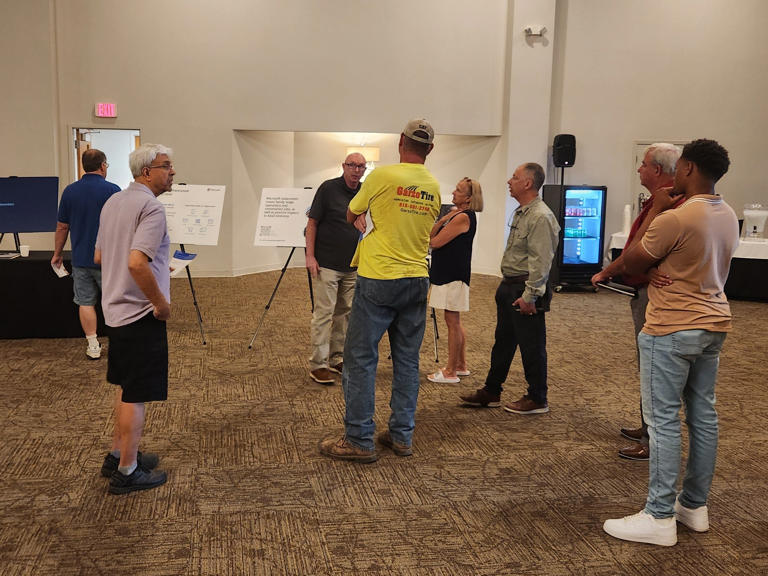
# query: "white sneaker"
93,352
697,519
642,527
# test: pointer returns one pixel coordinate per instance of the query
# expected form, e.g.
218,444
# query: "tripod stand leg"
437,336
311,291
266,308
194,300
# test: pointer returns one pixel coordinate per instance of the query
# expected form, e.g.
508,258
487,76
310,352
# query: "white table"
751,249
618,241
748,276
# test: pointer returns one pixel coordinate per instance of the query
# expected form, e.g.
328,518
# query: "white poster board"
193,213
283,216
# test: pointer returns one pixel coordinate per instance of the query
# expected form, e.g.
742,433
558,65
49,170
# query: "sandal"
440,379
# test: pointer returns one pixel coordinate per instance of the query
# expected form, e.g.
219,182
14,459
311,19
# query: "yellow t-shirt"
403,201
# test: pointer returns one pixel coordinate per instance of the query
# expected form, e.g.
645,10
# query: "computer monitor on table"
28,204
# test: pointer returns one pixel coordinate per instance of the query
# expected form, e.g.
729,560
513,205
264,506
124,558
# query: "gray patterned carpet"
486,492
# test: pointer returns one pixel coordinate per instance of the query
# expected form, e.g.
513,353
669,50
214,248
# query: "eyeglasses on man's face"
167,166
353,166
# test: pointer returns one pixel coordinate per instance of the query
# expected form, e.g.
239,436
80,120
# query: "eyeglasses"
106,164
163,166
353,166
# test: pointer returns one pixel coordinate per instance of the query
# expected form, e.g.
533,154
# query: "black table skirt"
35,303
747,280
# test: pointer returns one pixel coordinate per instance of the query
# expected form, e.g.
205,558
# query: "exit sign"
106,110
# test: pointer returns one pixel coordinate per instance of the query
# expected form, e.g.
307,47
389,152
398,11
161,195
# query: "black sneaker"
148,461
139,479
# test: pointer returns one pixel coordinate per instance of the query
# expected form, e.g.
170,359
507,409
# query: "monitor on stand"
28,204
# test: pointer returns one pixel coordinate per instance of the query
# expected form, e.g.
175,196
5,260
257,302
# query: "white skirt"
453,296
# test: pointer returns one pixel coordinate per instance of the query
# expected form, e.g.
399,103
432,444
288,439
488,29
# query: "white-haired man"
133,248
657,171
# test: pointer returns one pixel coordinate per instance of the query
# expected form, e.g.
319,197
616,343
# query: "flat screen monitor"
29,204
583,225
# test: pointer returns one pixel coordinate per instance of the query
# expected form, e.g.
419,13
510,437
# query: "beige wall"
190,76
657,70
27,97
212,83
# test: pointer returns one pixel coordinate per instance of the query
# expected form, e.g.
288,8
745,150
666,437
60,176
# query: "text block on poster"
193,212
283,216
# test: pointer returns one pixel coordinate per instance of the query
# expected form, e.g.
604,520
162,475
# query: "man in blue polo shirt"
79,212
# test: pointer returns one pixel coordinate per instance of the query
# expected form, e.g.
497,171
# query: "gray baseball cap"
420,130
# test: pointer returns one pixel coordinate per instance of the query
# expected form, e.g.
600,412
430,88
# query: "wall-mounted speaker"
564,150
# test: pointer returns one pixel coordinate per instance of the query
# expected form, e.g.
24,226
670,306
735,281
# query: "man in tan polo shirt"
685,327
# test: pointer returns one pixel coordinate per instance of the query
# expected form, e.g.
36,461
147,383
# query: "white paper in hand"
368,225
61,272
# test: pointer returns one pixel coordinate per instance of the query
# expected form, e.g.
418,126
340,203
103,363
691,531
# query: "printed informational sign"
193,212
283,216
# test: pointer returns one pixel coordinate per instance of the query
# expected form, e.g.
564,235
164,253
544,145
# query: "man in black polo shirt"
331,243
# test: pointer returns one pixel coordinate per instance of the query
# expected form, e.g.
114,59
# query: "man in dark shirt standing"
331,243
79,211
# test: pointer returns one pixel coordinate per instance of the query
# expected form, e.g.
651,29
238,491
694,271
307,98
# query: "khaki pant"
333,301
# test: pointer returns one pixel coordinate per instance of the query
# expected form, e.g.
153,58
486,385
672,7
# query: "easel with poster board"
193,215
282,223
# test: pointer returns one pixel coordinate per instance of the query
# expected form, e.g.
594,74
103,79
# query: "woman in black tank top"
451,242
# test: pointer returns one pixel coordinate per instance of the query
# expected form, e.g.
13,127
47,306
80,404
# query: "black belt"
515,279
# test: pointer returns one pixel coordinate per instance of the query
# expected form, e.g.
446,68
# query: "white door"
116,144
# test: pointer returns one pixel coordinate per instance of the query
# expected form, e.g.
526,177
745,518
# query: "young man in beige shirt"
685,327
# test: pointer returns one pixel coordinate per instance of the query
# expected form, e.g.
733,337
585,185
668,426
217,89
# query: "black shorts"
138,359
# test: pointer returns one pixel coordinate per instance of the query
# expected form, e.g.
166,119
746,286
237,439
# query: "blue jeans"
398,307
674,369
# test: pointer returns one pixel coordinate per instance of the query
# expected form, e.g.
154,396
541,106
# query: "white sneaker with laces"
642,527
93,352
697,519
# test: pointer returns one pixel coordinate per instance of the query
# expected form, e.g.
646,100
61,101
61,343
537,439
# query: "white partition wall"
265,159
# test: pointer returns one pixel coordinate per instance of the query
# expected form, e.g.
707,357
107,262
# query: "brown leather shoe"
636,452
337,367
526,406
340,449
385,439
481,397
321,376
634,434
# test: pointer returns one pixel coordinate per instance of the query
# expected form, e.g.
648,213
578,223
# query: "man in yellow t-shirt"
685,327
402,202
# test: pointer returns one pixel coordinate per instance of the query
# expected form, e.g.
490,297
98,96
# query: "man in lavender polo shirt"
132,247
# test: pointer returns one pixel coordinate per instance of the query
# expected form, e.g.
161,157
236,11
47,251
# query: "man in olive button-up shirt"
523,297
